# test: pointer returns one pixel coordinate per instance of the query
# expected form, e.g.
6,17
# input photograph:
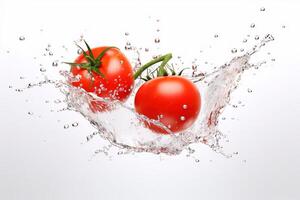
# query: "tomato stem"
164,59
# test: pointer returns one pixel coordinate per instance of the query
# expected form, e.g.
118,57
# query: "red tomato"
116,81
172,100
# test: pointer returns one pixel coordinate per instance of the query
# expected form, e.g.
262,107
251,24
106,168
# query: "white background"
41,160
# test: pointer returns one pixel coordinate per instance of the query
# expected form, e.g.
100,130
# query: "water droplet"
283,26
54,64
126,33
242,50
216,36
66,126
47,49
21,38
42,69
184,106
235,106
30,113
75,124
157,40
234,50
50,53
245,40
256,37
252,25
273,59
249,90
10,86
182,118
262,9
79,51
146,49
197,160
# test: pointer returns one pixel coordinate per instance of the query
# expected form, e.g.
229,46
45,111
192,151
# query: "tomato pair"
172,100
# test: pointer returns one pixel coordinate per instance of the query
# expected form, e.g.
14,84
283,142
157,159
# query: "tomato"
172,100
111,77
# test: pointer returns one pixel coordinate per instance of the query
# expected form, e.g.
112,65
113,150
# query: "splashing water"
122,127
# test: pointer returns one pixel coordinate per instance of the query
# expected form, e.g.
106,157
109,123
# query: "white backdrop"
39,159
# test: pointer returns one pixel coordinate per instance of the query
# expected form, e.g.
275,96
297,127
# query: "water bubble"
30,113
50,53
10,86
262,9
21,38
126,33
235,106
234,50
75,124
42,69
79,51
252,25
273,59
256,37
216,36
182,118
66,126
283,26
245,40
249,90
184,106
47,49
197,160
157,40
146,49
54,64
241,50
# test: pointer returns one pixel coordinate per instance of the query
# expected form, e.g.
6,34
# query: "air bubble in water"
262,9
66,126
54,63
252,25
30,113
79,51
157,40
216,36
50,53
42,69
21,38
256,37
234,50
249,90
184,106
245,40
126,33
75,124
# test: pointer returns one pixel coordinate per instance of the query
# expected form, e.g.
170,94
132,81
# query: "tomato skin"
117,82
173,100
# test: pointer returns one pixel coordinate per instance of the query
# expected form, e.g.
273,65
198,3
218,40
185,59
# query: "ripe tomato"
113,81
172,100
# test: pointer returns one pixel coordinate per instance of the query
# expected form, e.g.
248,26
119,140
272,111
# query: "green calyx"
163,70
93,63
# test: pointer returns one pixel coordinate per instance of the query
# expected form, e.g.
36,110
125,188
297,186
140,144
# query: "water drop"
66,126
146,49
10,86
242,50
21,38
234,50
273,59
75,124
157,40
262,9
249,90
126,33
30,113
245,40
283,26
54,63
197,160
184,106
182,118
256,37
47,49
50,53
252,25
216,36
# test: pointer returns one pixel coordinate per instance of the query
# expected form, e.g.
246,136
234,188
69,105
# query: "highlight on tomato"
104,71
167,97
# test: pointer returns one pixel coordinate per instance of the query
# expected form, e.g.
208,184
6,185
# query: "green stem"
164,59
